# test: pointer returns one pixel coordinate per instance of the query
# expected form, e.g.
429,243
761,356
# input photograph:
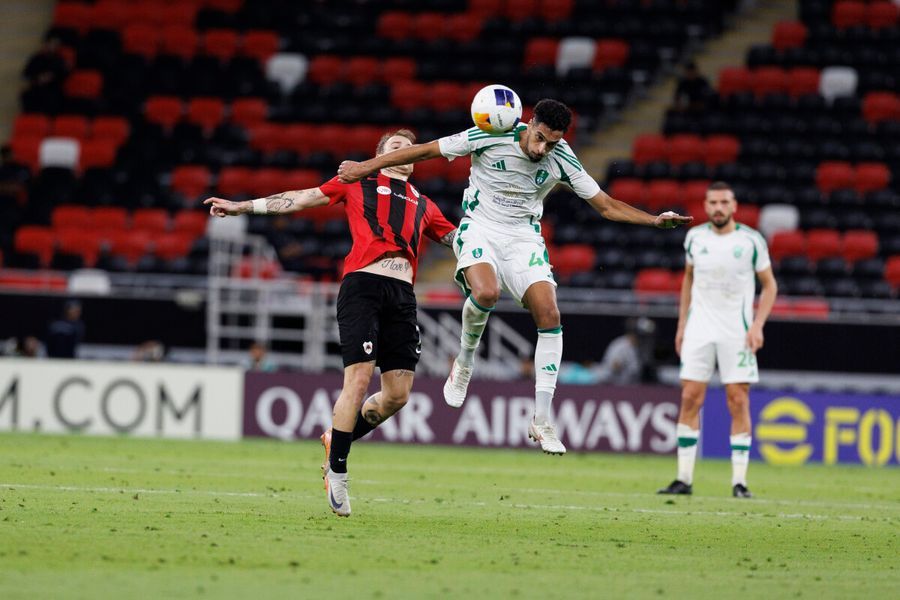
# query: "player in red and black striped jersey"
376,307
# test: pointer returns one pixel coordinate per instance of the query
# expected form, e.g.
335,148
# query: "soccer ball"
496,109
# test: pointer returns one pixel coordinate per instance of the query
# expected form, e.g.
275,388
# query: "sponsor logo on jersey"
383,190
499,165
541,176
414,191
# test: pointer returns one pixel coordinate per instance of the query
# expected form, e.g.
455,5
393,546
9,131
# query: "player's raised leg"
484,292
738,398
346,409
540,299
693,394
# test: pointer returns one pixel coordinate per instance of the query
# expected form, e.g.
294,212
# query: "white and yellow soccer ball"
496,109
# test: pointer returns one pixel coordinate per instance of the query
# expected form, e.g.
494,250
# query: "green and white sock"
740,458
474,320
687,452
547,356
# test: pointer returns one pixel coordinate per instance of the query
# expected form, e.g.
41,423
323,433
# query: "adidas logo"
551,368
500,165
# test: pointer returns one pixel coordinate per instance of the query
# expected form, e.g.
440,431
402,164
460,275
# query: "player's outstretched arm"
284,202
767,295
351,171
616,210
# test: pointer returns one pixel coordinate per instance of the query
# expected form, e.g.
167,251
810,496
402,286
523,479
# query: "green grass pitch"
116,517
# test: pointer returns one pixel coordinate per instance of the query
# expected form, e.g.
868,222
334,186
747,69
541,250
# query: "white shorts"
737,364
519,260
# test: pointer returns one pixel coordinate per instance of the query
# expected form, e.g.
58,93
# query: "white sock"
687,452
547,356
474,319
740,458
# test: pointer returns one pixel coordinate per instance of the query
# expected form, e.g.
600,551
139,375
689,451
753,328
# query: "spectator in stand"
150,351
45,74
258,359
629,355
290,251
65,334
30,347
693,92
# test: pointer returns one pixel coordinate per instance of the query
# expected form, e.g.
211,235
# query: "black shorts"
376,318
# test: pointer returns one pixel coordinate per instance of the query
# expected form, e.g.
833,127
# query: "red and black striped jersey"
386,215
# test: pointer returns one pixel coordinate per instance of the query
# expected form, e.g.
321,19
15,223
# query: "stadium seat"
610,53
407,95
70,126
37,240
655,281
748,214
130,245
191,181
260,44
72,15
141,39
427,25
573,258
721,149
362,70
248,111
789,34
662,195
180,41
649,147
233,182
398,69
171,246
684,148
165,111
97,153
834,175
463,27
837,82
80,242
205,112
631,191
892,272
87,84
768,80
882,15
518,10
777,217
220,43
107,218
59,152
848,14
190,223
325,69
881,106
734,80
540,51
859,245
787,243
802,81
70,217
822,243
31,125
112,128
394,25
555,10
287,70
448,95
575,53
153,220
871,177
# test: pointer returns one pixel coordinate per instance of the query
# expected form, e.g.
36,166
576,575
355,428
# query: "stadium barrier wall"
171,401
794,428
496,414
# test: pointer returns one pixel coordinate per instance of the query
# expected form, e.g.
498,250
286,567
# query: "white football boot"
338,496
545,433
456,385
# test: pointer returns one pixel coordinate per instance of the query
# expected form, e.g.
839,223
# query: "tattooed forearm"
291,201
447,240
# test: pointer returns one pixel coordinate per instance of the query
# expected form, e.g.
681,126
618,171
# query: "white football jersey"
506,188
725,267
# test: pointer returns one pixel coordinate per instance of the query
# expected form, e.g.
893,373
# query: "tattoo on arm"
447,240
286,202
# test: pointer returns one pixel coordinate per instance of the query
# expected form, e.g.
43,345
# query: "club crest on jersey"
367,347
414,191
541,176
383,190
738,250
477,252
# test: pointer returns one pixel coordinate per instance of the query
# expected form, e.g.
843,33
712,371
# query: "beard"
720,220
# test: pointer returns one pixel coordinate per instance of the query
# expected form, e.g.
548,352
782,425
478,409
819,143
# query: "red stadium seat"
72,15
113,129
848,14
734,80
69,216
649,147
871,177
178,40
220,43
610,53
85,83
260,44
427,25
789,34
325,69
458,170
769,80
225,6
141,39
519,10
130,245
107,218
361,70
486,8
301,138
249,111
154,220
721,149
110,14
892,271
407,95
394,25
302,179
787,243
655,281
882,15
234,181
540,51
835,175
71,126
695,191
822,243
31,125
684,148
26,150
177,13
663,194
462,27
629,190
190,223
448,95
748,214
82,242
803,81
555,10
859,244
265,182
34,239
98,153
573,258
397,69
191,181
881,106
364,138
208,113
170,246
163,110
427,170
265,137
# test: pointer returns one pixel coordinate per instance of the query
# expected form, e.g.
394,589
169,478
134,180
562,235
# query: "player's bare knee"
547,318
486,296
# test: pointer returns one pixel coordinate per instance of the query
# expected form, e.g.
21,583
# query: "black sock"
362,427
340,448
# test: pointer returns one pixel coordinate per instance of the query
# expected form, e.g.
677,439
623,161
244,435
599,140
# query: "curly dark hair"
553,114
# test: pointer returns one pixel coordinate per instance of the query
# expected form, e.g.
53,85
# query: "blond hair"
408,134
